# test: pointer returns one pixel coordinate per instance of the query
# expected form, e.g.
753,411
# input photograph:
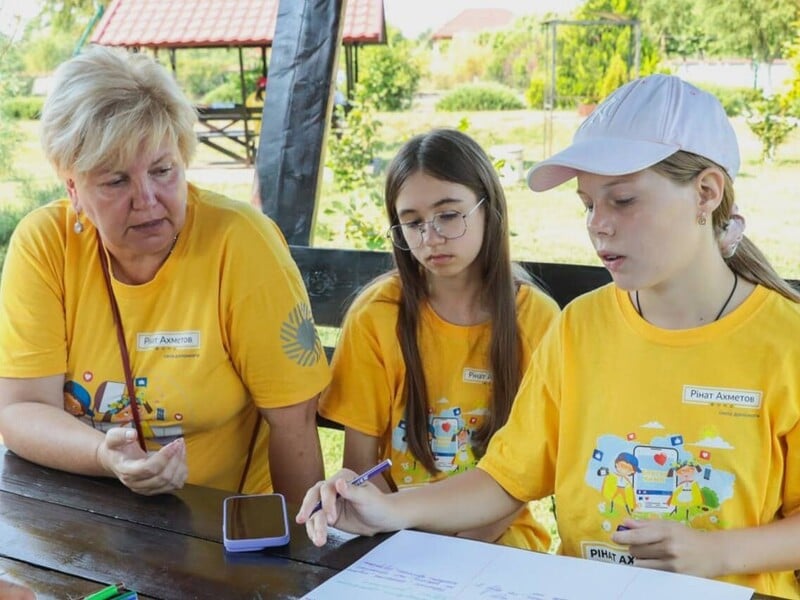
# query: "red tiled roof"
209,23
474,21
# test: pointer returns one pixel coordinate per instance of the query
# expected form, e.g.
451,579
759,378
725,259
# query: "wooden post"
299,99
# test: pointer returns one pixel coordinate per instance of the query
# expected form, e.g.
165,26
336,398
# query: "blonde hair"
748,261
107,106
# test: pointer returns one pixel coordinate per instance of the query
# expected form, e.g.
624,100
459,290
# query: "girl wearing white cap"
688,358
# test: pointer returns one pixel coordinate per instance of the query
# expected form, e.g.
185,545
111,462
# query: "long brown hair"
748,261
452,156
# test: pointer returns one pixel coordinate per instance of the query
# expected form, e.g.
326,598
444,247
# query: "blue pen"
362,479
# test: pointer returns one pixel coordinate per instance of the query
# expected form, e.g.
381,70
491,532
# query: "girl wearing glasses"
431,354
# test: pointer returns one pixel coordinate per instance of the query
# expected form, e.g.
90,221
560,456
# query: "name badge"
168,339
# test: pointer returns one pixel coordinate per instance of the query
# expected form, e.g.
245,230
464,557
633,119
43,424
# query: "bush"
364,218
769,121
735,100
483,96
352,148
535,92
11,214
388,74
23,107
231,89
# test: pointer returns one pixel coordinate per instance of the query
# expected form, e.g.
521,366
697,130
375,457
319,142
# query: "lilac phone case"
246,544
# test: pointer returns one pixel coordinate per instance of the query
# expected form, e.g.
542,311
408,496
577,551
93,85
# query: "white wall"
735,72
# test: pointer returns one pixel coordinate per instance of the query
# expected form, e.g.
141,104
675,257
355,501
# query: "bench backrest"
334,277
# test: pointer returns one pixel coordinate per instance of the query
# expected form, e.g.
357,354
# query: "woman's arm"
672,546
295,456
13,591
34,425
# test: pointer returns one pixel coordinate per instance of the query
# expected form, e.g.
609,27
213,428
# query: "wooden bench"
333,278
236,123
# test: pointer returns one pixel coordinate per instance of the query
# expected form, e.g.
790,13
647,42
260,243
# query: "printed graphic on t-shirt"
652,474
111,407
450,435
299,338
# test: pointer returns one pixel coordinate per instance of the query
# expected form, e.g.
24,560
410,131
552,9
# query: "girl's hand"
144,473
363,509
670,546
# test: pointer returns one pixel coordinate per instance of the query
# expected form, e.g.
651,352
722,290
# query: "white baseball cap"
640,124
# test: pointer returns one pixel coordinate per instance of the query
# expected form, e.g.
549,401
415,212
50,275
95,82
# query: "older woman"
147,325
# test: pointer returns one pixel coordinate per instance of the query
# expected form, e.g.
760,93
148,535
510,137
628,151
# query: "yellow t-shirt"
699,426
366,392
223,328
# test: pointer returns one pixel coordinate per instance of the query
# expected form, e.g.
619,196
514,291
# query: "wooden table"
67,535
236,123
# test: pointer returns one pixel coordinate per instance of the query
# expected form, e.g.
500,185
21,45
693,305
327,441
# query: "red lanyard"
123,347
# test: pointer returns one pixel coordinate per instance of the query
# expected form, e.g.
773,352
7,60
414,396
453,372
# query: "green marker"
106,593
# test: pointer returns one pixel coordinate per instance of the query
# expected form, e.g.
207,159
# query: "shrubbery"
735,100
23,107
388,74
230,90
535,92
11,213
481,96
352,148
769,121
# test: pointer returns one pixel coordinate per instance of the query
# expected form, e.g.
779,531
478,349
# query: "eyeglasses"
449,224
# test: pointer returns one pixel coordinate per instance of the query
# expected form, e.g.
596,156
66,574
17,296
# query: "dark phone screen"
255,517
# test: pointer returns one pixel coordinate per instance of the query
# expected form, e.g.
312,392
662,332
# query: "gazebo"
174,24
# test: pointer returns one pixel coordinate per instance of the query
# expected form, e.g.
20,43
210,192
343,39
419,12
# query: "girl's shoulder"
532,297
379,296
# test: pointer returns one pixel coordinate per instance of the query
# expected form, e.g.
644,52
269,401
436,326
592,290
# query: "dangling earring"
78,226
701,219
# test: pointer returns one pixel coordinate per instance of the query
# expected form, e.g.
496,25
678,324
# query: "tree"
10,85
676,26
67,15
516,53
791,99
758,29
388,74
50,37
587,52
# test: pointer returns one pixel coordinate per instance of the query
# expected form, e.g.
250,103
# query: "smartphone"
254,522
653,482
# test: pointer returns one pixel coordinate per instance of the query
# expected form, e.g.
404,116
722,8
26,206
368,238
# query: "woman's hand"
363,509
144,473
670,546
12,591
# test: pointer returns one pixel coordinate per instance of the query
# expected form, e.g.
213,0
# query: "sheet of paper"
420,566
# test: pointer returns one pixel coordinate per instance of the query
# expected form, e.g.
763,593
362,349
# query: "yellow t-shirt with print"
222,329
622,419
366,392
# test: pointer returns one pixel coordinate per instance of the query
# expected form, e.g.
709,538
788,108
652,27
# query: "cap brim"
600,156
